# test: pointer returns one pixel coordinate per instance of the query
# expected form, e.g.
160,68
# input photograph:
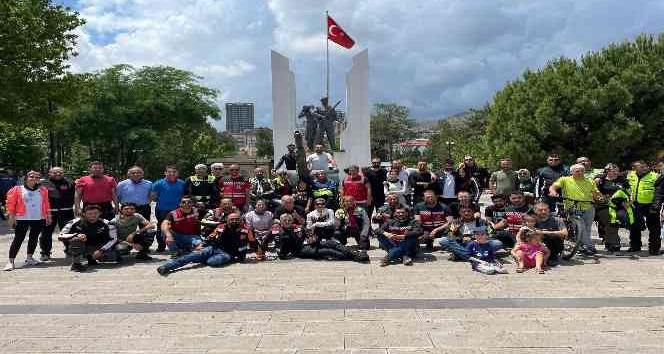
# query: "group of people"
216,217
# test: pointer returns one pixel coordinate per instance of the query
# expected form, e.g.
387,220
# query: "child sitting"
530,251
482,256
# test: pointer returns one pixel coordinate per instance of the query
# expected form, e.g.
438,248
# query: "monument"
355,143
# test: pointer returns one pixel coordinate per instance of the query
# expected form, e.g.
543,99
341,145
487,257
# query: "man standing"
504,181
217,171
377,177
136,190
167,192
357,186
202,189
261,188
421,180
642,184
404,177
98,189
61,197
580,192
449,183
320,160
236,187
480,174
289,161
545,177
552,230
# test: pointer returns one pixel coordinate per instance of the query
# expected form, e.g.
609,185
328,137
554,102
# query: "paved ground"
300,306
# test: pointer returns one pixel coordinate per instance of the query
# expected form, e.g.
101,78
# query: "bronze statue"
311,127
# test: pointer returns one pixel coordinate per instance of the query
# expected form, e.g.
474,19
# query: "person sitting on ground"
483,256
289,237
182,228
226,244
462,231
302,195
282,187
217,216
398,237
386,212
530,252
352,220
288,206
259,224
434,218
89,237
133,231
464,200
514,218
552,230
320,221
261,188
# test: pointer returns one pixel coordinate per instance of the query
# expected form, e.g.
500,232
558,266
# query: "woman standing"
28,209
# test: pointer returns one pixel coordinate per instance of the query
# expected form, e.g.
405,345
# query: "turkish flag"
337,35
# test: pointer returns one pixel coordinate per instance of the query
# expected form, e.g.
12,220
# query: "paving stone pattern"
435,306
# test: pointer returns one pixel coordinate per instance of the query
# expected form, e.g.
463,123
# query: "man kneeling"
89,237
134,231
227,243
398,236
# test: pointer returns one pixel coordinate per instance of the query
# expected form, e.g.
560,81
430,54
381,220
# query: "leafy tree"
21,148
467,132
264,145
608,105
390,124
37,40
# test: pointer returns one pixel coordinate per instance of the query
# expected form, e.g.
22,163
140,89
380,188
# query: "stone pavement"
300,306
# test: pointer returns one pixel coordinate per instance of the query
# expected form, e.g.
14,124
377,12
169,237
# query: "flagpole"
327,59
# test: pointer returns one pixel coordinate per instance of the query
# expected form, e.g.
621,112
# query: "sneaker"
407,261
142,256
385,262
162,270
45,257
9,267
78,267
92,261
29,262
453,257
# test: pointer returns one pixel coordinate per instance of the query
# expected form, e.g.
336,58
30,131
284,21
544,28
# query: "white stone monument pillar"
355,139
283,104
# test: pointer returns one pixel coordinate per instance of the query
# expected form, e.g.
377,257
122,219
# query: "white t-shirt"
448,188
33,202
319,161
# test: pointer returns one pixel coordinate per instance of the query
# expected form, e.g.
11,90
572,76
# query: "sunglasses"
186,203
320,203
218,168
233,170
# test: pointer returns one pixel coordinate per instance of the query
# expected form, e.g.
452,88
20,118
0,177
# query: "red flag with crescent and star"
337,35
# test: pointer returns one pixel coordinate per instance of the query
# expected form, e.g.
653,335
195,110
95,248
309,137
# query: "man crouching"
227,243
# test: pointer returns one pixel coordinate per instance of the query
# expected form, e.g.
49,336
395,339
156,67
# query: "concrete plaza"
298,306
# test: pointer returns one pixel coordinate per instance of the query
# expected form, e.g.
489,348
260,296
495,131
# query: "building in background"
246,141
239,117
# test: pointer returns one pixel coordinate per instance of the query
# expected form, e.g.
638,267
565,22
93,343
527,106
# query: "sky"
437,57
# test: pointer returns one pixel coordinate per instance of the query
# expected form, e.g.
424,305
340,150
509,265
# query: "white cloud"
438,56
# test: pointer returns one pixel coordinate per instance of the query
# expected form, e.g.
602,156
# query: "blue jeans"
184,242
161,216
451,244
209,255
395,250
584,224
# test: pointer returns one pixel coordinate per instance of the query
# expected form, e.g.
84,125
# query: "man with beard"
434,217
237,188
98,189
202,189
226,244
545,176
377,177
61,199
261,188
398,237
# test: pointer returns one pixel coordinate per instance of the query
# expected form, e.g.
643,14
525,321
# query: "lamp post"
449,144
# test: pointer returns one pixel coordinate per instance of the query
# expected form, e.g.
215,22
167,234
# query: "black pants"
554,243
21,229
330,249
144,239
607,230
288,246
60,219
144,210
161,216
643,211
361,240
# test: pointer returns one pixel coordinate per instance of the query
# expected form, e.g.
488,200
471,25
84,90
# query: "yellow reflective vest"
642,189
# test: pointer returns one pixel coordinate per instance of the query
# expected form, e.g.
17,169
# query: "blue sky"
437,57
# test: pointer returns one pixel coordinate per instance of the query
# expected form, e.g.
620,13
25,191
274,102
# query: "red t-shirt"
96,190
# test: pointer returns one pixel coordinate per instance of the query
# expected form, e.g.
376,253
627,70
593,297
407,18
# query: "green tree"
264,145
21,148
608,105
36,41
390,124
466,132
